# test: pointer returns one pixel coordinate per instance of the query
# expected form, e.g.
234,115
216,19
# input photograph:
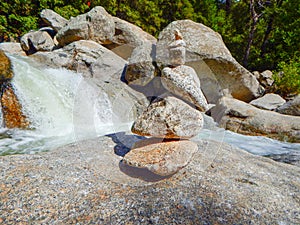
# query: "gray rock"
53,19
96,25
161,157
86,183
37,41
266,78
292,107
103,68
268,102
169,118
244,118
128,36
204,46
85,56
12,48
141,69
184,82
177,50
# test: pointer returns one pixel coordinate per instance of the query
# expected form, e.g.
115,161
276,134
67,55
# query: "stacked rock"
171,119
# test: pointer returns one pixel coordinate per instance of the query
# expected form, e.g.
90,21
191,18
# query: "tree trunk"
263,48
228,6
254,17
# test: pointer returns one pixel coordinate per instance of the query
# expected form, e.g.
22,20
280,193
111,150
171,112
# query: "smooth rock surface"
169,118
96,25
85,56
141,65
205,45
36,41
268,102
244,118
12,48
292,107
184,82
127,37
53,19
161,157
84,183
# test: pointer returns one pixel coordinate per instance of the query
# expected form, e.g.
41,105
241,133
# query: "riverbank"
86,183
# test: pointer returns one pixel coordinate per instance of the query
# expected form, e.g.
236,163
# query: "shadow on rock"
124,142
141,173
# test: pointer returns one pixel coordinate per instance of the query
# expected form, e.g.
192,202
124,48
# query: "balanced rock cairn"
170,119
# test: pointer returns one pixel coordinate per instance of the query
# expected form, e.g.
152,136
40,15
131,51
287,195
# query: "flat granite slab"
87,183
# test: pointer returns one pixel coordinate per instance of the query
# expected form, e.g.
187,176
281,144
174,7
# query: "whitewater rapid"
65,108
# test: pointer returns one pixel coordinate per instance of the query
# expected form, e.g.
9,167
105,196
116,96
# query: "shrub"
287,78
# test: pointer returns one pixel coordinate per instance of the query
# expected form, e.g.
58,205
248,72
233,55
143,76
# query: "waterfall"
62,106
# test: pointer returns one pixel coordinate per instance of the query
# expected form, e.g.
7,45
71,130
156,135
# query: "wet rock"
268,102
13,117
292,107
205,48
244,118
161,157
12,48
96,25
141,65
184,82
169,118
53,19
37,41
6,72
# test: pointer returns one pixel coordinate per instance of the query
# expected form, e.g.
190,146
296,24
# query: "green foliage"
287,78
275,41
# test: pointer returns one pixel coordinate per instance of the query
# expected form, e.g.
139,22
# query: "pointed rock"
96,25
184,82
268,102
162,158
53,19
205,46
169,118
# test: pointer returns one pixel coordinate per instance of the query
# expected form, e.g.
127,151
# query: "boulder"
85,56
86,183
37,41
163,158
96,25
6,72
141,65
103,68
266,78
268,102
240,117
184,82
204,46
12,48
53,19
168,118
128,36
292,107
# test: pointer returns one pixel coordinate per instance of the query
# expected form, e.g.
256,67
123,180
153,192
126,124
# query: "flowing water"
65,108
